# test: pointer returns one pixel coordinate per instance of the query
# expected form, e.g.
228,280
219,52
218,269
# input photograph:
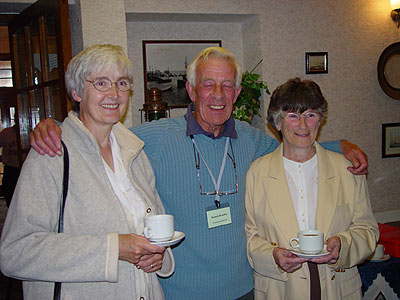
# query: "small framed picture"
391,140
316,62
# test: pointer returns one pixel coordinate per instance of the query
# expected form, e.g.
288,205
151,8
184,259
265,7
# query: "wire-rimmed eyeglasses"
294,117
103,84
219,193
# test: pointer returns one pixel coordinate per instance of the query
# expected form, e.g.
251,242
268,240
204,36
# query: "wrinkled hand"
333,245
356,156
139,251
286,260
46,138
151,262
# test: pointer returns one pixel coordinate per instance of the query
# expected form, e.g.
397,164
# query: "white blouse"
302,179
122,186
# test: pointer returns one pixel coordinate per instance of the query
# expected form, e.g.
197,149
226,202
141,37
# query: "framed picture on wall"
316,62
165,63
391,140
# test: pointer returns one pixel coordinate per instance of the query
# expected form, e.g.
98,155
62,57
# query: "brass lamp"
396,11
154,108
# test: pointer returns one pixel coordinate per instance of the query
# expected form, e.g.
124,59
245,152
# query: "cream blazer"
343,209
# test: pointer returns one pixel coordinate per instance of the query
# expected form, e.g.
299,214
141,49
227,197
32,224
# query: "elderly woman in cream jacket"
101,254
302,186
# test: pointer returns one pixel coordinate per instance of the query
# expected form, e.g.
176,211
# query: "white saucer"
305,255
385,257
178,236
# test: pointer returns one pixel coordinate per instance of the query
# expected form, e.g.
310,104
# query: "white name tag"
218,216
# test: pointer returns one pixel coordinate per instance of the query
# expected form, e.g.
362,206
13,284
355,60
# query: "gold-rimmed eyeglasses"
103,84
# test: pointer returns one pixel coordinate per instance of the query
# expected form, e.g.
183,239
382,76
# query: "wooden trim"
393,49
44,55
28,56
5,19
5,56
15,60
64,32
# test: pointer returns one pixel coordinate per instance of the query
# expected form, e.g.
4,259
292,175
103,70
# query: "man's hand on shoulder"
46,138
356,156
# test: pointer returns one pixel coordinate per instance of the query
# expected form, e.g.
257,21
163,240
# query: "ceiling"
8,10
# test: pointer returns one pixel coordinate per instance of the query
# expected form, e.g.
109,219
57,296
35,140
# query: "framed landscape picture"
316,62
391,140
165,63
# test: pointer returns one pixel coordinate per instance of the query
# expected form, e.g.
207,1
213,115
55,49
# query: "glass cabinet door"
40,56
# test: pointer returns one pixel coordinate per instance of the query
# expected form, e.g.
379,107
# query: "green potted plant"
248,103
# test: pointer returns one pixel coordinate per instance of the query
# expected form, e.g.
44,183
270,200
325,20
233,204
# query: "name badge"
218,216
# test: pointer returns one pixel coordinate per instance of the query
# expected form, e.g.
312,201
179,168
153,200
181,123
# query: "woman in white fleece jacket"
101,254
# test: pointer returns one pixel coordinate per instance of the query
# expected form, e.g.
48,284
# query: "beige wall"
354,33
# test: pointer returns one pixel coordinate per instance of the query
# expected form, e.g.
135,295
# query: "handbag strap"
57,285
65,188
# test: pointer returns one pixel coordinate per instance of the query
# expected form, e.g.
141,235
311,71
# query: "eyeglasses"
103,84
219,193
309,117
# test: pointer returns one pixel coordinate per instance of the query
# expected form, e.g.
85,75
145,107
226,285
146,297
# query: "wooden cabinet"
41,49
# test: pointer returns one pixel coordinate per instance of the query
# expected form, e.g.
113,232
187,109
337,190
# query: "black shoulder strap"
65,188
57,285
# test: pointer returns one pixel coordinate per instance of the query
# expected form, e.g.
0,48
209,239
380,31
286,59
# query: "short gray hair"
93,59
214,52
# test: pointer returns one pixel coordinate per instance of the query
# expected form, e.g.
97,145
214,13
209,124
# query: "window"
12,116
5,74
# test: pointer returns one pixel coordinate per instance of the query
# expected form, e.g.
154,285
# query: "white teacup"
308,241
159,228
379,252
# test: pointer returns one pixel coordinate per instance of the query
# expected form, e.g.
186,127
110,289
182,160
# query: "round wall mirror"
389,71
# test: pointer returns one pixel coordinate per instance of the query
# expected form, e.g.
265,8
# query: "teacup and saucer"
309,244
159,229
379,254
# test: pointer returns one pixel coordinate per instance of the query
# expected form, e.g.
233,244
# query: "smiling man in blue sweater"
200,162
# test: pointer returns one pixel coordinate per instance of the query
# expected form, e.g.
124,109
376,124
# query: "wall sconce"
396,11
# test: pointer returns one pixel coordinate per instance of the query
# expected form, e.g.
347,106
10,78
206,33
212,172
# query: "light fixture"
396,11
154,108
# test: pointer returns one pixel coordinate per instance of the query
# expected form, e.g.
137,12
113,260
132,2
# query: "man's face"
214,94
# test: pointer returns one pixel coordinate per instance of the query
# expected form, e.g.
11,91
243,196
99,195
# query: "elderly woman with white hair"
101,253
